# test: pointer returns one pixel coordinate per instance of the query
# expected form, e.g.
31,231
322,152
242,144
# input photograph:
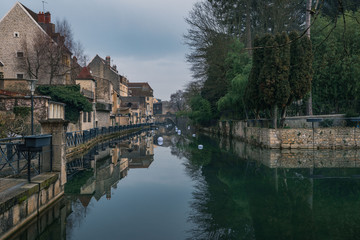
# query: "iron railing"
16,157
73,139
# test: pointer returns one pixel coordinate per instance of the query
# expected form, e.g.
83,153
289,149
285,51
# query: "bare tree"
203,27
34,60
48,56
177,101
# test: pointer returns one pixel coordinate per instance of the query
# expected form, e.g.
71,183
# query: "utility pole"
309,108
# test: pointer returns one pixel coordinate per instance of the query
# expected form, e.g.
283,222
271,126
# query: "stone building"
87,84
105,75
143,90
27,37
137,109
157,107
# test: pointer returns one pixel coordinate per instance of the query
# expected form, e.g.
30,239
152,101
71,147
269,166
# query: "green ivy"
21,111
71,96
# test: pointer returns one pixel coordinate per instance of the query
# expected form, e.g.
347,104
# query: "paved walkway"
10,187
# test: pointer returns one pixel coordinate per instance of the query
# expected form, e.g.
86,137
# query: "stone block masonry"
21,202
297,138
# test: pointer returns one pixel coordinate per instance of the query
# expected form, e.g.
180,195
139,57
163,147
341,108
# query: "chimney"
108,61
47,17
41,17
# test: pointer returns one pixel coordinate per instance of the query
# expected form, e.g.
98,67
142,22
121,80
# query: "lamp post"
32,89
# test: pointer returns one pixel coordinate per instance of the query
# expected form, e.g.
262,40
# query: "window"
20,76
16,34
89,116
67,78
84,116
1,64
1,75
20,54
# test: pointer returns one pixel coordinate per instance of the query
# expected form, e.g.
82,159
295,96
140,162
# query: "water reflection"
227,190
106,164
50,224
251,193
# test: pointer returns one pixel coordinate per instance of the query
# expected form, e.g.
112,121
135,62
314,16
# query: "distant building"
106,75
87,84
157,107
136,109
143,89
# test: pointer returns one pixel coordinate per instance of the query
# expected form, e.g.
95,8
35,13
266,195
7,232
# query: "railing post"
9,155
57,128
75,138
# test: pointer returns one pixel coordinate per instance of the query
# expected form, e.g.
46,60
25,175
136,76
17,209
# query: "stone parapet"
296,138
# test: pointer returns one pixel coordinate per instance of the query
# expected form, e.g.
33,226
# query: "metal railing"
88,93
73,139
16,157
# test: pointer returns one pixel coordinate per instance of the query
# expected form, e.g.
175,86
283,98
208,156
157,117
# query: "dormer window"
16,34
20,54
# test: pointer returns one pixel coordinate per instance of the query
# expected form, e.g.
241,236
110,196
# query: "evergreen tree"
274,86
300,66
252,95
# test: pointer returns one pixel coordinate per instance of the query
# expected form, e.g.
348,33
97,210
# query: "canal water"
139,188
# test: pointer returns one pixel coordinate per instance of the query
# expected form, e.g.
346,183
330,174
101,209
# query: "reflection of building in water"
107,168
139,151
107,164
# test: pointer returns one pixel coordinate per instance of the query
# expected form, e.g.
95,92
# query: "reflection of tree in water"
216,214
239,199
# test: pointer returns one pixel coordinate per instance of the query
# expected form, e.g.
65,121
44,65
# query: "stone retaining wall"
20,206
296,138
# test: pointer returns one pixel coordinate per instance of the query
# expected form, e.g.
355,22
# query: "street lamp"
32,89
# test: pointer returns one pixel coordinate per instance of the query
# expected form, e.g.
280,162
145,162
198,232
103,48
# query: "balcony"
103,107
56,110
87,93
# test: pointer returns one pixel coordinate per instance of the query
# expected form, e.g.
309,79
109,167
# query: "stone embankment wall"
296,138
19,207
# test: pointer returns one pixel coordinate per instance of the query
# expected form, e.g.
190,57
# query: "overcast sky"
143,37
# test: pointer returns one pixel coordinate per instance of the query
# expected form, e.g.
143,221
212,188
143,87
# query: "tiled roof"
32,14
140,89
139,85
85,74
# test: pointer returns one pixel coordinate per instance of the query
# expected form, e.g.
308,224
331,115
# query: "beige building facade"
24,36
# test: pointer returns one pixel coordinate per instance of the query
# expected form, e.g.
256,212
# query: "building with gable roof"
105,74
143,90
24,38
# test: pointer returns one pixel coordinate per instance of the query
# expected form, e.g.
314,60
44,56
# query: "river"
138,189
